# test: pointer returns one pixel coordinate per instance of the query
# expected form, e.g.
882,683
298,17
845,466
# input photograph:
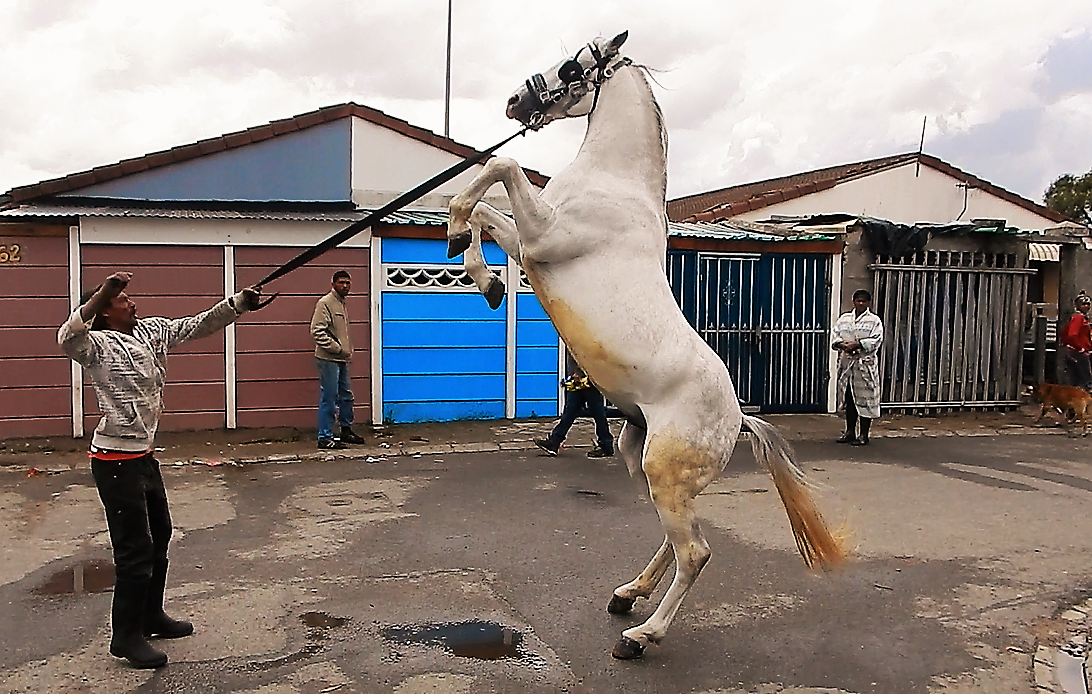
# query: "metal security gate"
767,316
954,329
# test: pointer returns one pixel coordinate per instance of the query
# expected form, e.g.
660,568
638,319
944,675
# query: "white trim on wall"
214,232
378,280
512,288
75,289
230,381
835,311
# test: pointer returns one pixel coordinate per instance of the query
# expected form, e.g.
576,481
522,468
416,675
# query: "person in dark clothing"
581,398
126,360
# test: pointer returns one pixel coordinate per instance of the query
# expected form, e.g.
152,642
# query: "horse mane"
646,75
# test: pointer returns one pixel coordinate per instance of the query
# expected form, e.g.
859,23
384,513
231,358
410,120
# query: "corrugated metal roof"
733,230
407,216
739,230
1047,252
38,211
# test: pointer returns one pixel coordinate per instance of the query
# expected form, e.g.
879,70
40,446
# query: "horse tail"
817,545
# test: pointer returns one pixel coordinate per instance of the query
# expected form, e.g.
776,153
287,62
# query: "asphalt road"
490,572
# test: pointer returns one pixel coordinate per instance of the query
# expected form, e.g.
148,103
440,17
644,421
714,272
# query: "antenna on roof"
921,146
447,77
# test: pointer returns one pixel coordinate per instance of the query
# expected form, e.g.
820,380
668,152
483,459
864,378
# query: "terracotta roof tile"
728,202
129,166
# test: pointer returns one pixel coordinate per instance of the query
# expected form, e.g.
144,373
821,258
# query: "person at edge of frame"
126,360
1076,337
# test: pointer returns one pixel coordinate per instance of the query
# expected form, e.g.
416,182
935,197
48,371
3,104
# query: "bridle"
571,73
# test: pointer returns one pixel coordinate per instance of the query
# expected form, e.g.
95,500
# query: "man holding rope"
126,359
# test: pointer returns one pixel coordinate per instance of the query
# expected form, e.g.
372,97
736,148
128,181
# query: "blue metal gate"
767,316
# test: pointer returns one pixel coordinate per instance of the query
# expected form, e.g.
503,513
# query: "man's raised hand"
115,284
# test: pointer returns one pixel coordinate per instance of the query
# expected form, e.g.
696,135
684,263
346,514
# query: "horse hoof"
458,243
494,295
627,649
620,605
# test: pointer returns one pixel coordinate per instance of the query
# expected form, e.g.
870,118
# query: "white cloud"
749,90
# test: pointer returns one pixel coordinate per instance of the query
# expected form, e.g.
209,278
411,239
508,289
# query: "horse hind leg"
631,442
624,596
691,551
676,475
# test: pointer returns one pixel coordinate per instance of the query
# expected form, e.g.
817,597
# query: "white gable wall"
386,163
898,196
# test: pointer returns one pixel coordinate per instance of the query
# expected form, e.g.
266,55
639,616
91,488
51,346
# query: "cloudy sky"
749,89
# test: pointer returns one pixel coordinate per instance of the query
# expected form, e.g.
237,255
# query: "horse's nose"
513,100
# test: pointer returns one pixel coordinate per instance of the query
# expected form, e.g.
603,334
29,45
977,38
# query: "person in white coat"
857,336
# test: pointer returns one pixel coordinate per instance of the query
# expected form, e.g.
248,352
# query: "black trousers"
852,416
586,402
137,515
1079,369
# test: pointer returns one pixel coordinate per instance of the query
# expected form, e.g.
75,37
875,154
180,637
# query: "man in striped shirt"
126,360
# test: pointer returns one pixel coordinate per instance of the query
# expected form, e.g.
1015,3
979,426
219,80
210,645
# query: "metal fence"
768,318
954,329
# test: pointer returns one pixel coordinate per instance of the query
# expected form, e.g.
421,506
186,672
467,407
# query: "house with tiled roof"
197,221
956,265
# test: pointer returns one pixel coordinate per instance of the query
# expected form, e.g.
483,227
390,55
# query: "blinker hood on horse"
593,244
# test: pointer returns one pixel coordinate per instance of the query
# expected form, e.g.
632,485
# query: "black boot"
127,618
349,436
157,623
862,440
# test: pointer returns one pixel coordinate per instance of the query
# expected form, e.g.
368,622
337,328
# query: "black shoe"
137,651
349,436
127,623
846,438
331,445
863,441
550,448
163,627
598,452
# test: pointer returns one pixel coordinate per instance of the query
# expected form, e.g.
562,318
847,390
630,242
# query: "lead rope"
377,215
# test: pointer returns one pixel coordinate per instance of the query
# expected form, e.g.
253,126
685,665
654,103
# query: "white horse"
594,245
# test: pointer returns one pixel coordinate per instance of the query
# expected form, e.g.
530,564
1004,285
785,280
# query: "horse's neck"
625,132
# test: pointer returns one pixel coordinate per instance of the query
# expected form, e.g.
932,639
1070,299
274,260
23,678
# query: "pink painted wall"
35,378
171,281
277,384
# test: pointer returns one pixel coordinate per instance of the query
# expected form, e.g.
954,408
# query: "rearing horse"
594,245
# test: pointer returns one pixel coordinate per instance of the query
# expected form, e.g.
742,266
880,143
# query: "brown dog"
1064,399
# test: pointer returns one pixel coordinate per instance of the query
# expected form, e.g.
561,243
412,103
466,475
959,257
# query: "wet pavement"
456,559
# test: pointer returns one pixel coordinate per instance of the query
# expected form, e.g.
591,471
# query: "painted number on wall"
10,254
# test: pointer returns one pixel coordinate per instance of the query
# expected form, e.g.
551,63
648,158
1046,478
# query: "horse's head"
569,88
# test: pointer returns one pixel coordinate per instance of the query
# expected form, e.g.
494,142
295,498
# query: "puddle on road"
95,576
322,620
318,625
476,639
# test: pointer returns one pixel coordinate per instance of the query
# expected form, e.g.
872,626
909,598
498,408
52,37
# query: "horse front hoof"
458,243
620,605
494,295
627,649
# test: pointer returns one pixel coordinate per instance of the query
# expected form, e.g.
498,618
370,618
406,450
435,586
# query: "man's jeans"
334,393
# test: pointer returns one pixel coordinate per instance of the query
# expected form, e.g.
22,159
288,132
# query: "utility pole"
447,77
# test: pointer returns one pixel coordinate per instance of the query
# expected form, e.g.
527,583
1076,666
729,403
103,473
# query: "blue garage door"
446,354
536,358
